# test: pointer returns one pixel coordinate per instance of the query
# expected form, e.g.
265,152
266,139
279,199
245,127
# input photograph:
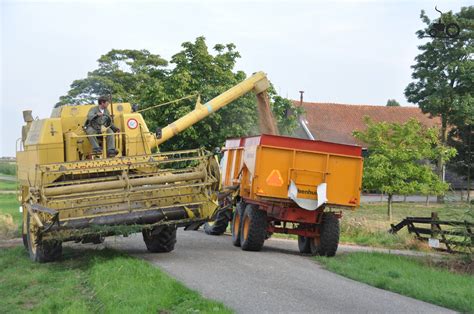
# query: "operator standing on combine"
97,118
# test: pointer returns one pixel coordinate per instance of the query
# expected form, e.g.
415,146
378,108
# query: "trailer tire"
160,239
41,251
254,228
237,223
329,235
309,245
220,223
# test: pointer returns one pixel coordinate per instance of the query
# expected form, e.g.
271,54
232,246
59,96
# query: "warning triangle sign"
274,179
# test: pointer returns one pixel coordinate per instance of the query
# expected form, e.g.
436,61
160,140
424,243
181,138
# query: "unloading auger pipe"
257,82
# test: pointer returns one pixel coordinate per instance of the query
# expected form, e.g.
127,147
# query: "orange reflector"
274,179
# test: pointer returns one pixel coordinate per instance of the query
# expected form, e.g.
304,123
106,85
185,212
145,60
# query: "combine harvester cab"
292,186
68,193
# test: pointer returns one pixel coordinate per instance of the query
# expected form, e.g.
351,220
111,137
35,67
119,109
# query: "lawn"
7,185
406,276
93,281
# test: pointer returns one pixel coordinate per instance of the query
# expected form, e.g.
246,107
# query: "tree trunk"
389,209
469,165
427,200
440,166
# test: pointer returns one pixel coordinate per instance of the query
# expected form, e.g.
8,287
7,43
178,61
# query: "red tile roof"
336,122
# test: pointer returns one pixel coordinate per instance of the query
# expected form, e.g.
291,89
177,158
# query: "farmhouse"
336,122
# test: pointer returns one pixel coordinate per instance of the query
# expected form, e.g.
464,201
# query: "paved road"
275,280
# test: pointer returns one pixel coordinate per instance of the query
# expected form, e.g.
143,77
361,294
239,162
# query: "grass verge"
8,185
368,225
93,281
406,276
10,217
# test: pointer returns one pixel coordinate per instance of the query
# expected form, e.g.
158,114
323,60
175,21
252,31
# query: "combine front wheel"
160,239
40,251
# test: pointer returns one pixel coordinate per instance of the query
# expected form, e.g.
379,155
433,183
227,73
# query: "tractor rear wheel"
329,235
309,245
237,223
160,239
254,228
40,251
220,223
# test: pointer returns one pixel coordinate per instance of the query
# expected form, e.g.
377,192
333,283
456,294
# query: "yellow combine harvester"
68,193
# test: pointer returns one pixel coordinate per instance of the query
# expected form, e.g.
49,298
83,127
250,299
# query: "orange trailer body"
265,165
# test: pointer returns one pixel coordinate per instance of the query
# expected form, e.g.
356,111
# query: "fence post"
434,216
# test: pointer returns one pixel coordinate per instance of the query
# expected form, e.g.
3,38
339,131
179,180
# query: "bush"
8,168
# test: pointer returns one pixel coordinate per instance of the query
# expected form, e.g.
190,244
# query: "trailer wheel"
40,251
161,239
309,245
329,235
237,223
254,228
219,225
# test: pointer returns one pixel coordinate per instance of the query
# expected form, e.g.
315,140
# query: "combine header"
68,193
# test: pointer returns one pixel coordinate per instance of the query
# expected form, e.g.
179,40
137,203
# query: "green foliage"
8,168
398,155
443,79
406,276
93,281
146,79
126,74
285,113
392,103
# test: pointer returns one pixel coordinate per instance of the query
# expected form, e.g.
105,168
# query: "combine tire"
219,225
254,229
329,235
24,236
237,223
160,239
309,245
41,251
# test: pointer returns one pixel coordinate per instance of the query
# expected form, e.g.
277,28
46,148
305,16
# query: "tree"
392,103
285,113
462,139
126,74
443,80
139,77
398,160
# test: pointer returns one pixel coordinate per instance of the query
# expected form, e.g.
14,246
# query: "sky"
353,52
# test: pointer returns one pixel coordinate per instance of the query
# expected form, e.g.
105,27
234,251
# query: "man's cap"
103,99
